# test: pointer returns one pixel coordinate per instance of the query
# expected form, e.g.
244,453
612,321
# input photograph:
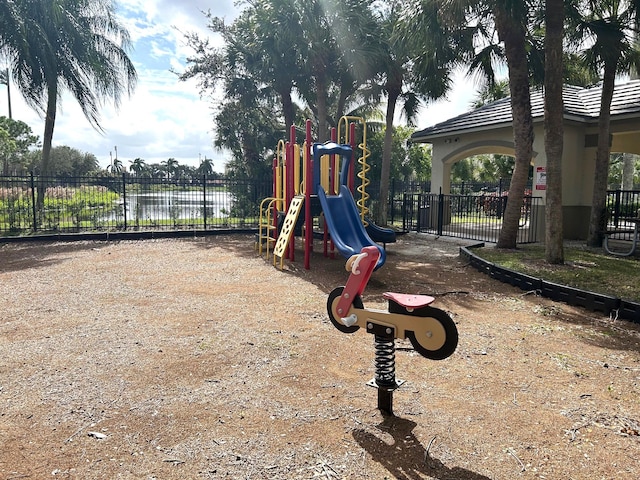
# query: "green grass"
584,268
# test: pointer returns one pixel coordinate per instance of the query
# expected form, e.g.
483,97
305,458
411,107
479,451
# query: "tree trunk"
287,110
598,219
385,171
554,131
321,104
345,90
628,170
511,32
49,124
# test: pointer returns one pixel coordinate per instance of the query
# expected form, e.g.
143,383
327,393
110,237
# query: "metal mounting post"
385,379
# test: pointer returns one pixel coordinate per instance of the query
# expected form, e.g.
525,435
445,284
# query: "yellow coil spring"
362,175
364,166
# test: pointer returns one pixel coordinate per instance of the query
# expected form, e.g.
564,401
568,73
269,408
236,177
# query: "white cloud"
456,102
165,117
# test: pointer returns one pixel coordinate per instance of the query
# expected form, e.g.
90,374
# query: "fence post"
420,208
33,202
204,200
405,225
440,211
124,199
390,201
616,207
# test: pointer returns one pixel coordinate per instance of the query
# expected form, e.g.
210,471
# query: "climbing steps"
266,236
287,228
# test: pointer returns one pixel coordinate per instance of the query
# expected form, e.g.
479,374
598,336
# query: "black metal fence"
41,205
473,217
46,205
621,205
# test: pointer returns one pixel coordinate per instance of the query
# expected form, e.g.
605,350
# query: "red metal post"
308,188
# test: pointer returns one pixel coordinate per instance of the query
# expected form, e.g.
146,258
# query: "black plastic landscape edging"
595,302
130,235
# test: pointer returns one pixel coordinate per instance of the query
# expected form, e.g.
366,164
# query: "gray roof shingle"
582,104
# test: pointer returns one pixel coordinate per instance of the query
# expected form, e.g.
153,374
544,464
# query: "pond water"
176,205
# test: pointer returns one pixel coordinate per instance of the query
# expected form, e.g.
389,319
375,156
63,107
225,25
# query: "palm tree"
117,166
137,166
205,167
490,93
511,20
607,27
554,130
74,45
335,52
170,166
401,81
477,34
274,27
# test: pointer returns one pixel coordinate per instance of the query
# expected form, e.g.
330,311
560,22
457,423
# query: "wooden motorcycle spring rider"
430,330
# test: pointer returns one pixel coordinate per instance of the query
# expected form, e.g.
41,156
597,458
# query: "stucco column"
440,173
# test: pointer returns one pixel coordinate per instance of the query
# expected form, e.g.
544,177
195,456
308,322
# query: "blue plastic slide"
347,232
380,234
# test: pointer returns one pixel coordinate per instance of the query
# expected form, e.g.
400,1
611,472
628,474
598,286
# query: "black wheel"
450,332
332,302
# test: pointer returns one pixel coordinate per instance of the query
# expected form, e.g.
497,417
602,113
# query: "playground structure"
430,330
321,179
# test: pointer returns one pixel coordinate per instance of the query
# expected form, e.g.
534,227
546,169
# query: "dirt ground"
198,359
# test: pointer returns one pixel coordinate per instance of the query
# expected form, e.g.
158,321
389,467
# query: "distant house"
488,130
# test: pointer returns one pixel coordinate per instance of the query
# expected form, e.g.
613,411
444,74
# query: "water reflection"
176,205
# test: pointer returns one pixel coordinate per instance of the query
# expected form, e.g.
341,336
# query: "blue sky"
164,117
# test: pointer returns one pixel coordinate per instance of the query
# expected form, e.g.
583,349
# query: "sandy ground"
176,359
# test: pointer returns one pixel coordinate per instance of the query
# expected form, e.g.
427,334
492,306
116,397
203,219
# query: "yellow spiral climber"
364,166
362,175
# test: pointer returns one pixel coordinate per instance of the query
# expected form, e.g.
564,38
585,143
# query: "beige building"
488,130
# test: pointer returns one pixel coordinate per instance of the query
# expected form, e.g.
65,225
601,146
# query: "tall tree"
205,167
477,34
554,129
260,45
19,140
402,82
74,45
338,51
511,23
606,27
275,30
117,166
321,49
138,166
170,166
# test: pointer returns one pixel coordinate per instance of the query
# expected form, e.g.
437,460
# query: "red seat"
409,301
